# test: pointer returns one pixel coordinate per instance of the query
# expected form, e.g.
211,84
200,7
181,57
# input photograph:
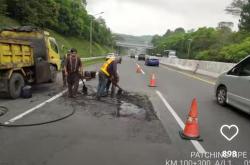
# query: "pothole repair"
128,105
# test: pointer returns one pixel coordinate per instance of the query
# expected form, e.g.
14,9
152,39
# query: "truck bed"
15,54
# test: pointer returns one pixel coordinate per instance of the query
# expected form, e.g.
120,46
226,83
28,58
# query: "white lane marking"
37,107
141,68
196,144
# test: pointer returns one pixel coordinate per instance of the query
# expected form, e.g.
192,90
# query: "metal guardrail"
92,58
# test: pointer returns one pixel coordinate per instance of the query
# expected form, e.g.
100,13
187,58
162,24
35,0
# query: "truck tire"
53,72
16,83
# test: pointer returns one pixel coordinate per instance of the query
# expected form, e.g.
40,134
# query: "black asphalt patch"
129,105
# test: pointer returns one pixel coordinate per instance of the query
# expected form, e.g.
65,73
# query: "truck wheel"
53,72
16,84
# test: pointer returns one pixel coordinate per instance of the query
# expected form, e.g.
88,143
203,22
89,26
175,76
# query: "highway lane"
99,140
180,89
92,136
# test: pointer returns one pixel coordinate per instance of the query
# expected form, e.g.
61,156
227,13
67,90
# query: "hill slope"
65,41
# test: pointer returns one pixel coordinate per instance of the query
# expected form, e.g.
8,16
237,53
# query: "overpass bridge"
132,45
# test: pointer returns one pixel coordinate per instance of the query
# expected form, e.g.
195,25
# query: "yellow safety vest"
105,66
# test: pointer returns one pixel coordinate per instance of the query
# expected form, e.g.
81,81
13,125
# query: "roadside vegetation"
66,20
213,44
92,62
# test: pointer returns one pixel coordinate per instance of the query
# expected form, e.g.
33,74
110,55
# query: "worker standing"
63,70
73,71
107,72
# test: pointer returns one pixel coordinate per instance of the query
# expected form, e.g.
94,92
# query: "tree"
39,13
179,30
68,17
3,7
235,7
244,24
168,32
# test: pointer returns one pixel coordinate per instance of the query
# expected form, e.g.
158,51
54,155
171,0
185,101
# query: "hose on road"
5,110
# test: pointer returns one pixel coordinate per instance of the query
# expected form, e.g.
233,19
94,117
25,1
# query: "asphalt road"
95,134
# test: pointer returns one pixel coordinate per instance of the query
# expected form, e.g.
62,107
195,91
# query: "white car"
233,87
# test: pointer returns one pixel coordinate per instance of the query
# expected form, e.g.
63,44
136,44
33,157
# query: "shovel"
84,88
120,90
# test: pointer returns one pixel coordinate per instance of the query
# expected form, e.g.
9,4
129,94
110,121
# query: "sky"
150,17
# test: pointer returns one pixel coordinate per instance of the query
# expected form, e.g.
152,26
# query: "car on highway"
132,56
152,61
141,57
172,56
110,55
159,55
233,87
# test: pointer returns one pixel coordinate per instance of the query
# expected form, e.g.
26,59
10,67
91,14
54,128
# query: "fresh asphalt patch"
127,105
133,109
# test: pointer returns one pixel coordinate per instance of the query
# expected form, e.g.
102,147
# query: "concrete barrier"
208,68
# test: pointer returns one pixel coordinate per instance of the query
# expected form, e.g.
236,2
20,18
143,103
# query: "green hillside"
64,41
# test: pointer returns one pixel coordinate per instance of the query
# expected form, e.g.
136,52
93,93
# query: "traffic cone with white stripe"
152,81
191,130
138,70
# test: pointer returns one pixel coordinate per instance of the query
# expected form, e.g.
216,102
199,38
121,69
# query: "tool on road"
88,75
191,130
120,90
152,81
84,88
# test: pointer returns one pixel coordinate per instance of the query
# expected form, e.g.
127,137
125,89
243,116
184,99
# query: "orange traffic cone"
152,81
191,130
138,70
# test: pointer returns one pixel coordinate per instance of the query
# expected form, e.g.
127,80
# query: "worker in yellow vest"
107,72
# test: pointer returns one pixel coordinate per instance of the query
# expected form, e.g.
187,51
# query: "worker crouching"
108,72
73,71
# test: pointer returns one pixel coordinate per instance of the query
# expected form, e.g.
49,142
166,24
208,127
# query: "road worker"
63,70
73,71
113,87
108,72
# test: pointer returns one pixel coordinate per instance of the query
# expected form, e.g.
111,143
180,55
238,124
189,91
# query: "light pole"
189,46
90,31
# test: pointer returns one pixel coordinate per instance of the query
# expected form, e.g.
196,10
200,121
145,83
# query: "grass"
82,46
92,62
65,42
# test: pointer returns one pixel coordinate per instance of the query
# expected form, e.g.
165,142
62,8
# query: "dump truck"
28,55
